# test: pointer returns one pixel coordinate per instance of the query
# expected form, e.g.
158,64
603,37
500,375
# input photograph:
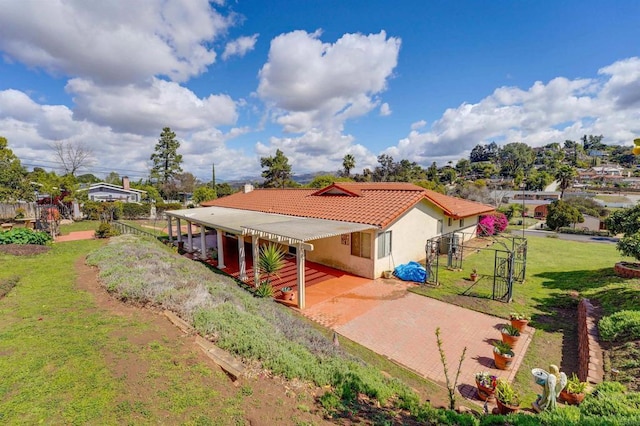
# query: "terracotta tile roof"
375,203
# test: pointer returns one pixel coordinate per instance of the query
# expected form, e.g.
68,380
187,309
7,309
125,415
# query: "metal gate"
503,276
454,250
520,260
432,251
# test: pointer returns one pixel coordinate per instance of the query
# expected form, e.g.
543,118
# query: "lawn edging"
590,353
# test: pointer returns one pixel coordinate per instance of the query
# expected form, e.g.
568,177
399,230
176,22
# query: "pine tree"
166,160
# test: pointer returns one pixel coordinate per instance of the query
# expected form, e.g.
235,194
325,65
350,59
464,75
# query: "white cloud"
385,109
313,87
553,112
112,42
146,108
240,46
304,74
32,128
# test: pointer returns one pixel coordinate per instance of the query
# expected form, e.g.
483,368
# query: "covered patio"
229,231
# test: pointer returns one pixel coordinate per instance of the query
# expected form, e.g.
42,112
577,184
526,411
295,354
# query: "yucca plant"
271,261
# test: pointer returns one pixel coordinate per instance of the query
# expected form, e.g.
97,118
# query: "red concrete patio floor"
382,316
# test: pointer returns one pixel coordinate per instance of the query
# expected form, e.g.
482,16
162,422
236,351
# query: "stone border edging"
590,353
622,270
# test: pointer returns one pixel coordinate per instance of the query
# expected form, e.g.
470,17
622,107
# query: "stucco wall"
332,252
409,234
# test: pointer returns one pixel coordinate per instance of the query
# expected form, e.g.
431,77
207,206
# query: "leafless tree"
72,155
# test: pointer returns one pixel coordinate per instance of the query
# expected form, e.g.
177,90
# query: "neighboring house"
108,192
360,228
591,223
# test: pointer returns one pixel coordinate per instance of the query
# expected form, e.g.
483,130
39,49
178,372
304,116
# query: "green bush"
623,325
569,230
135,211
105,230
609,399
163,207
24,236
96,210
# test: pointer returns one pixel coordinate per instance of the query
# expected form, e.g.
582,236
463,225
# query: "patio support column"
241,259
203,242
255,250
220,249
189,237
170,229
179,230
300,260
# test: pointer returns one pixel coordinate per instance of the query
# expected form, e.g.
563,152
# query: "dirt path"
131,358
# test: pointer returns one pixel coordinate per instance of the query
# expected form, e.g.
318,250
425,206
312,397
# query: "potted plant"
474,275
287,293
573,393
486,384
387,274
502,355
510,334
519,320
507,399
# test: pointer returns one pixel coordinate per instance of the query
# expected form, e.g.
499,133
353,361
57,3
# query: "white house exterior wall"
332,252
112,194
409,234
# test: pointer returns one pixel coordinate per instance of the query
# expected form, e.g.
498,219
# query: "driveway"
384,317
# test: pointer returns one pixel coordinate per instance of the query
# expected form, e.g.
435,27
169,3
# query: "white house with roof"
360,228
103,191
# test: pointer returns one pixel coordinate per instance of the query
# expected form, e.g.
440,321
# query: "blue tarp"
412,271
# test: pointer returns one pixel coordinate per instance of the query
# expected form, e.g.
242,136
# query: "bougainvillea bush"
492,224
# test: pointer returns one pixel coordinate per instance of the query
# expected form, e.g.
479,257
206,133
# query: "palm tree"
348,163
565,176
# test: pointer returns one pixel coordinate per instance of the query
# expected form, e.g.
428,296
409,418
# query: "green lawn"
58,351
559,273
83,225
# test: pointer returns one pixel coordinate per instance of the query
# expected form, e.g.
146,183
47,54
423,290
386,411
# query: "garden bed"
23,249
627,269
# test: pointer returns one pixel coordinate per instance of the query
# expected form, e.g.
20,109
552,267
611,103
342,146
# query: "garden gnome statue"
556,381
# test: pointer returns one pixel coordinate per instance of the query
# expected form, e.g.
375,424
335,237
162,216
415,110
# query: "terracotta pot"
502,362
474,277
511,340
571,398
485,393
519,324
288,295
507,409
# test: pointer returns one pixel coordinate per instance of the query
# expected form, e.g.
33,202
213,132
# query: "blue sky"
421,80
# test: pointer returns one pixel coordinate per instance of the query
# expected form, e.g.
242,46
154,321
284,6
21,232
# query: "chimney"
125,183
248,188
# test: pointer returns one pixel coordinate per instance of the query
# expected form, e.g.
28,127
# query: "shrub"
623,325
264,290
486,226
105,230
24,236
569,230
252,328
135,211
163,207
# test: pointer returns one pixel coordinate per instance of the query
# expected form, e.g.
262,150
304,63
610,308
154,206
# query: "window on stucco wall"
461,223
361,244
384,244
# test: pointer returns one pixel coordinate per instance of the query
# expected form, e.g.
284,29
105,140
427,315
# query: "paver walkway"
382,316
